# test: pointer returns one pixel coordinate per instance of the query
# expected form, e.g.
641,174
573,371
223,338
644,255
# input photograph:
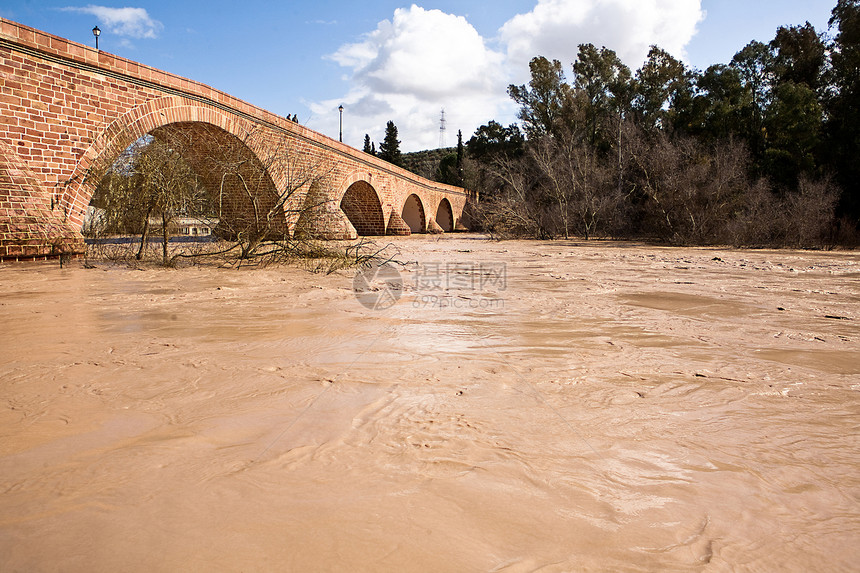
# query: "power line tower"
442,123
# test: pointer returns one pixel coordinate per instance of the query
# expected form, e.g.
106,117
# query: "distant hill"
426,163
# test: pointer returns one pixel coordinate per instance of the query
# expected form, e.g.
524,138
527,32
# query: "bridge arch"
445,216
170,116
413,214
241,186
362,206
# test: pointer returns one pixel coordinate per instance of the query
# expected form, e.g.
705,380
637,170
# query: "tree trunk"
144,236
165,236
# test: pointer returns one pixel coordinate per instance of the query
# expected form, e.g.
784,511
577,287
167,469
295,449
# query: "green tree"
800,55
450,168
718,111
792,129
461,152
662,85
843,105
447,170
778,112
544,100
493,140
793,121
368,146
755,65
605,84
389,149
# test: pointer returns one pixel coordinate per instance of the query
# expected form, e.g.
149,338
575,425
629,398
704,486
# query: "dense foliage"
426,163
764,150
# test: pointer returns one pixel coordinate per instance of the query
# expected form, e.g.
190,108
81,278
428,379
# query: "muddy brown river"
522,406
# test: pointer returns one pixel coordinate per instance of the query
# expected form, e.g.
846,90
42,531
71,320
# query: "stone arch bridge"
67,110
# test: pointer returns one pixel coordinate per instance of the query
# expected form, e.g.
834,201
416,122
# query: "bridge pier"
321,218
30,226
397,226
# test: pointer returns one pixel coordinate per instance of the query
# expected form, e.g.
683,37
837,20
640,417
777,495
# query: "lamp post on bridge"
340,132
96,33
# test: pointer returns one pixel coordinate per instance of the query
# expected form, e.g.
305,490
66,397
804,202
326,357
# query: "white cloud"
421,61
130,22
407,70
555,28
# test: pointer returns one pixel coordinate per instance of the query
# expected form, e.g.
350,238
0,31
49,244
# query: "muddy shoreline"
553,406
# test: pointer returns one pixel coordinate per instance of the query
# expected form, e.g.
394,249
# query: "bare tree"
691,189
512,208
578,180
263,195
809,213
169,188
552,159
150,182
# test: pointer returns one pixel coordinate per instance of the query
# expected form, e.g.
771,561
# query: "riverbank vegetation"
762,151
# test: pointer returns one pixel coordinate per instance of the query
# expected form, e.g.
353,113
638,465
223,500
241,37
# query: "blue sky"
404,62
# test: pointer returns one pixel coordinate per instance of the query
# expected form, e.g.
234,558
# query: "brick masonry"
67,111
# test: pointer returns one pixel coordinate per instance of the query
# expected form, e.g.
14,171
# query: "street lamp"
340,136
96,33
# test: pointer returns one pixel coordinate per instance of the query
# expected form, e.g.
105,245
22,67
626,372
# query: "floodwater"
524,406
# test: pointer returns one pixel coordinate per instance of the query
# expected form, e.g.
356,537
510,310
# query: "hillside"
426,163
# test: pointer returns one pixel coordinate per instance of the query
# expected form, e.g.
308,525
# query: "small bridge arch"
413,214
362,206
445,215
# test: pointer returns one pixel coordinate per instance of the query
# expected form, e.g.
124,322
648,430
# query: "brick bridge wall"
67,109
